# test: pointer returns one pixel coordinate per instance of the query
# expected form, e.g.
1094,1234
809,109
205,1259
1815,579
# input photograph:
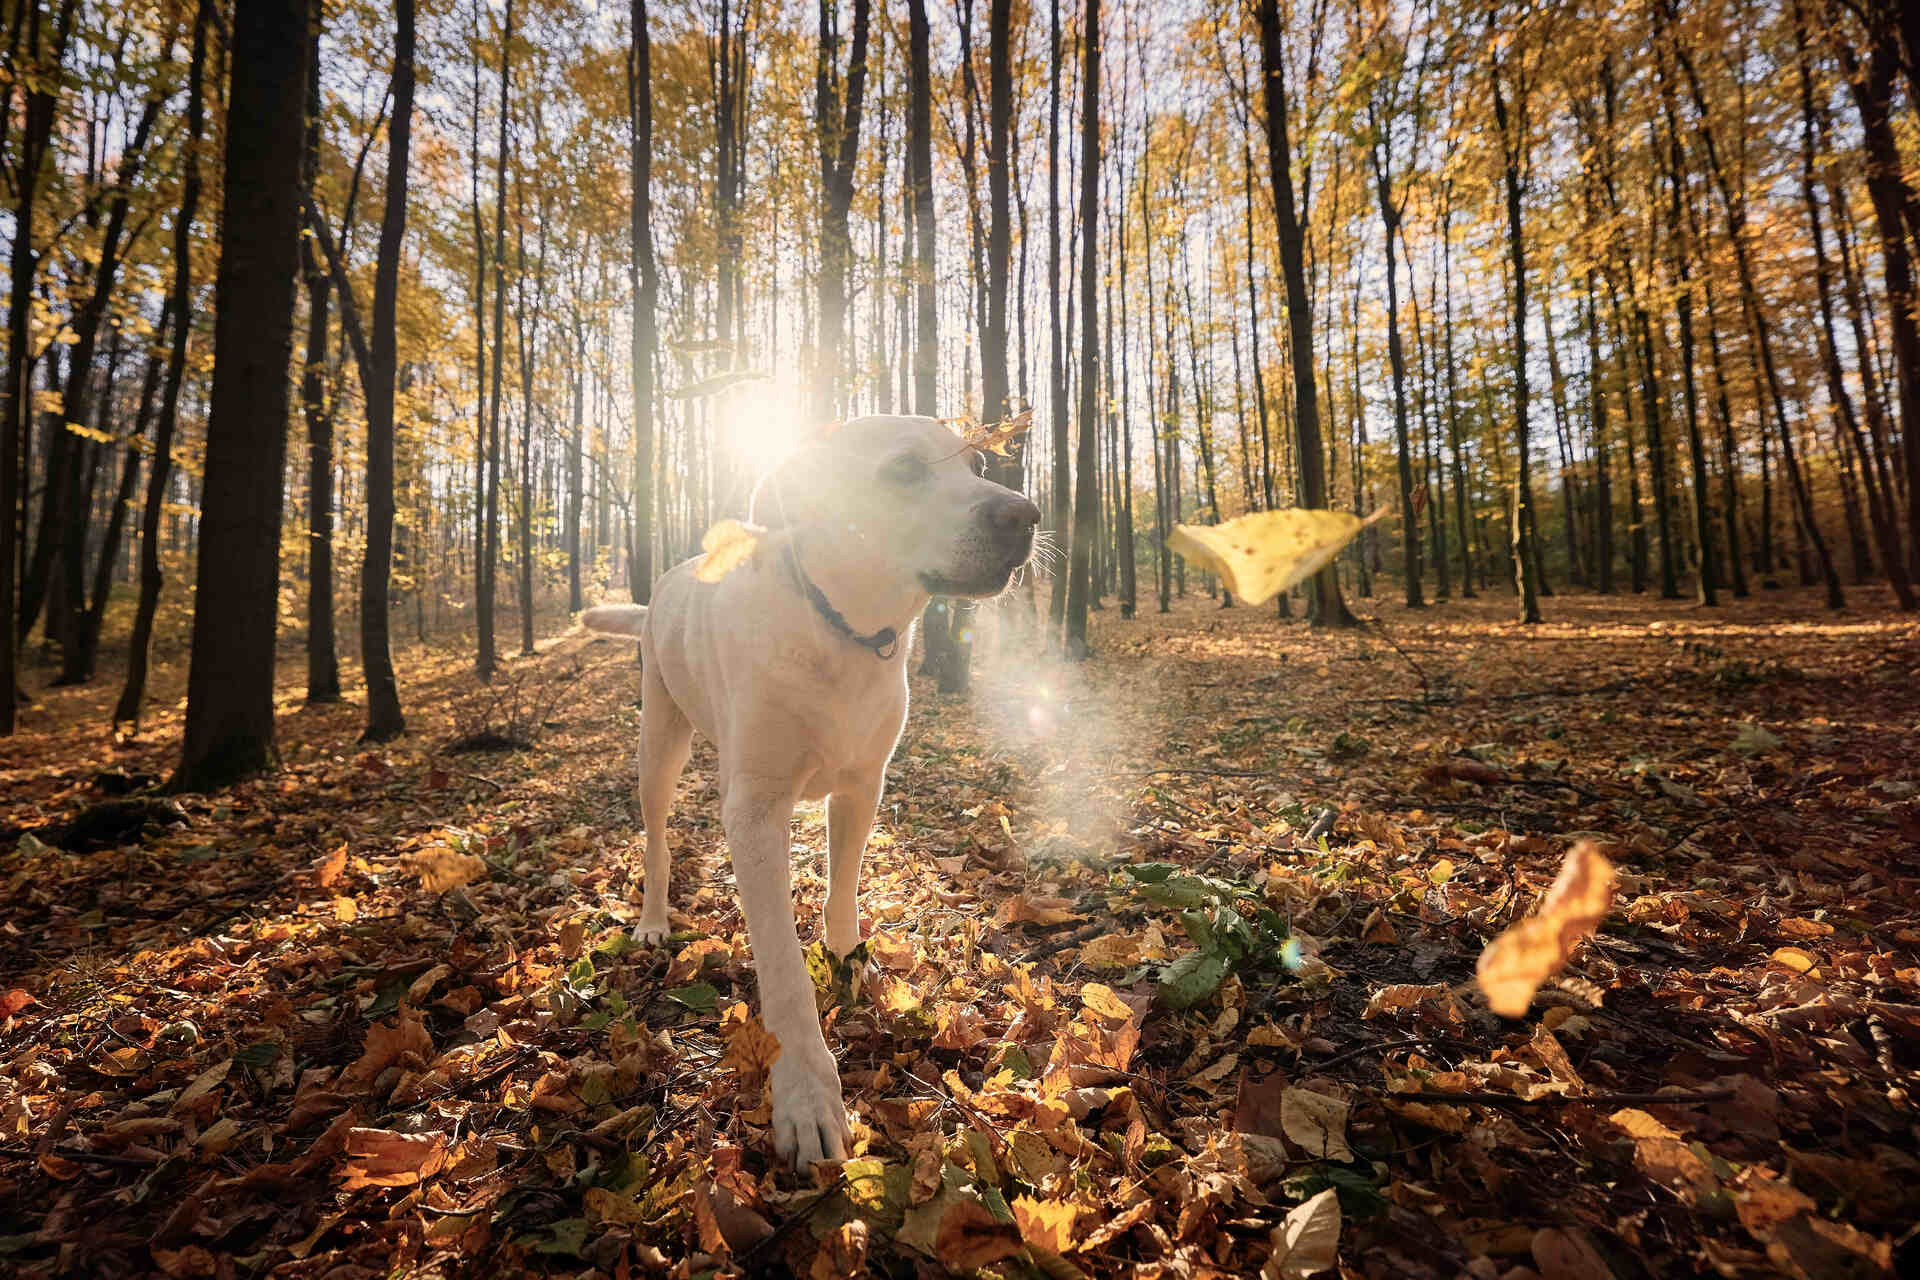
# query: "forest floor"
1160,946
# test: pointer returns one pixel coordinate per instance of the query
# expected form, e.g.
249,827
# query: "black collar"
882,643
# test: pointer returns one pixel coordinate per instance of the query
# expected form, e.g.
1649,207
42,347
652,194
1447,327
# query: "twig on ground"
1562,1099
1322,824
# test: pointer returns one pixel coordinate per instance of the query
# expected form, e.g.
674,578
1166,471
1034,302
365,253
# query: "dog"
794,665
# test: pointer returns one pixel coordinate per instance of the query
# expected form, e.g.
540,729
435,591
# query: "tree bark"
643,282
1086,463
1513,156
323,662
160,470
1326,609
384,718
229,720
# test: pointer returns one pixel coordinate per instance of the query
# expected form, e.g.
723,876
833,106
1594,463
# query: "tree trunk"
643,282
229,720
1678,249
160,470
1513,152
384,719
1086,463
323,662
1327,609
837,130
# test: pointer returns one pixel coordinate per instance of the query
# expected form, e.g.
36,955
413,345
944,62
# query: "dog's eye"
908,468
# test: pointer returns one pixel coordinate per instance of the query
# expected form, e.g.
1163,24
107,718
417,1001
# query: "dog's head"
914,495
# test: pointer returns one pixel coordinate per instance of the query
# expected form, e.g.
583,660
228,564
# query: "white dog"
795,666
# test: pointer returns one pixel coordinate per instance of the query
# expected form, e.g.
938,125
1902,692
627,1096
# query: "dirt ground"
1160,947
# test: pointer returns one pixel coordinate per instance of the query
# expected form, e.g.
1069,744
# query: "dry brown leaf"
384,1158
1315,1123
1307,1241
1402,995
403,1042
971,1237
751,1048
441,868
843,1254
1532,950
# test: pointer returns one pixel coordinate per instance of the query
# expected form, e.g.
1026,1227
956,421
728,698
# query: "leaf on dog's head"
1260,555
728,545
751,1048
994,437
1532,950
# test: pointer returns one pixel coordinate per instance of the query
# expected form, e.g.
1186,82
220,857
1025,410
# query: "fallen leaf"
1315,1123
1532,950
13,1002
751,1048
1046,1224
843,1254
384,1158
971,1237
1307,1241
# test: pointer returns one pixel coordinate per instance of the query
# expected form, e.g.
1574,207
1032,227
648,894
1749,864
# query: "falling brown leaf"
441,868
1530,951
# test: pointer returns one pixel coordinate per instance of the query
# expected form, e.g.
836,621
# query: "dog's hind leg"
666,740
849,823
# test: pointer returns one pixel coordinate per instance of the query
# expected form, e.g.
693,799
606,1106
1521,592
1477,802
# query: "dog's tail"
616,619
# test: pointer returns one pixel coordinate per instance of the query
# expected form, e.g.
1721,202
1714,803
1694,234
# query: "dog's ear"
798,491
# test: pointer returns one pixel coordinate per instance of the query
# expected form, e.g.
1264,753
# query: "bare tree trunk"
160,471
1514,147
1085,512
229,720
837,130
323,661
384,718
1327,609
643,281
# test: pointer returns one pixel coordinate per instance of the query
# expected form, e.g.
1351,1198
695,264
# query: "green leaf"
1192,978
580,974
568,1236
258,1054
1149,872
701,997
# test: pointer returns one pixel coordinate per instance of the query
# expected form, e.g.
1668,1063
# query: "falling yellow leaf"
728,545
441,868
1532,950
1260,555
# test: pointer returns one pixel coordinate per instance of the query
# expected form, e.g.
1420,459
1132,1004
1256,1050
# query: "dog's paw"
651,933
809,1119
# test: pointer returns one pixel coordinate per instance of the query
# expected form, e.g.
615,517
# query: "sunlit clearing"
762,422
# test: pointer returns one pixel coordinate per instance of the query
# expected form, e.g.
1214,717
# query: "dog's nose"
1013,514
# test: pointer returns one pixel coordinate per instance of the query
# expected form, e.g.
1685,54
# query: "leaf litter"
1116,1012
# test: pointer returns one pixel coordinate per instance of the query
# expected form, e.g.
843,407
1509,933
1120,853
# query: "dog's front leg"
849,823
809,1120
